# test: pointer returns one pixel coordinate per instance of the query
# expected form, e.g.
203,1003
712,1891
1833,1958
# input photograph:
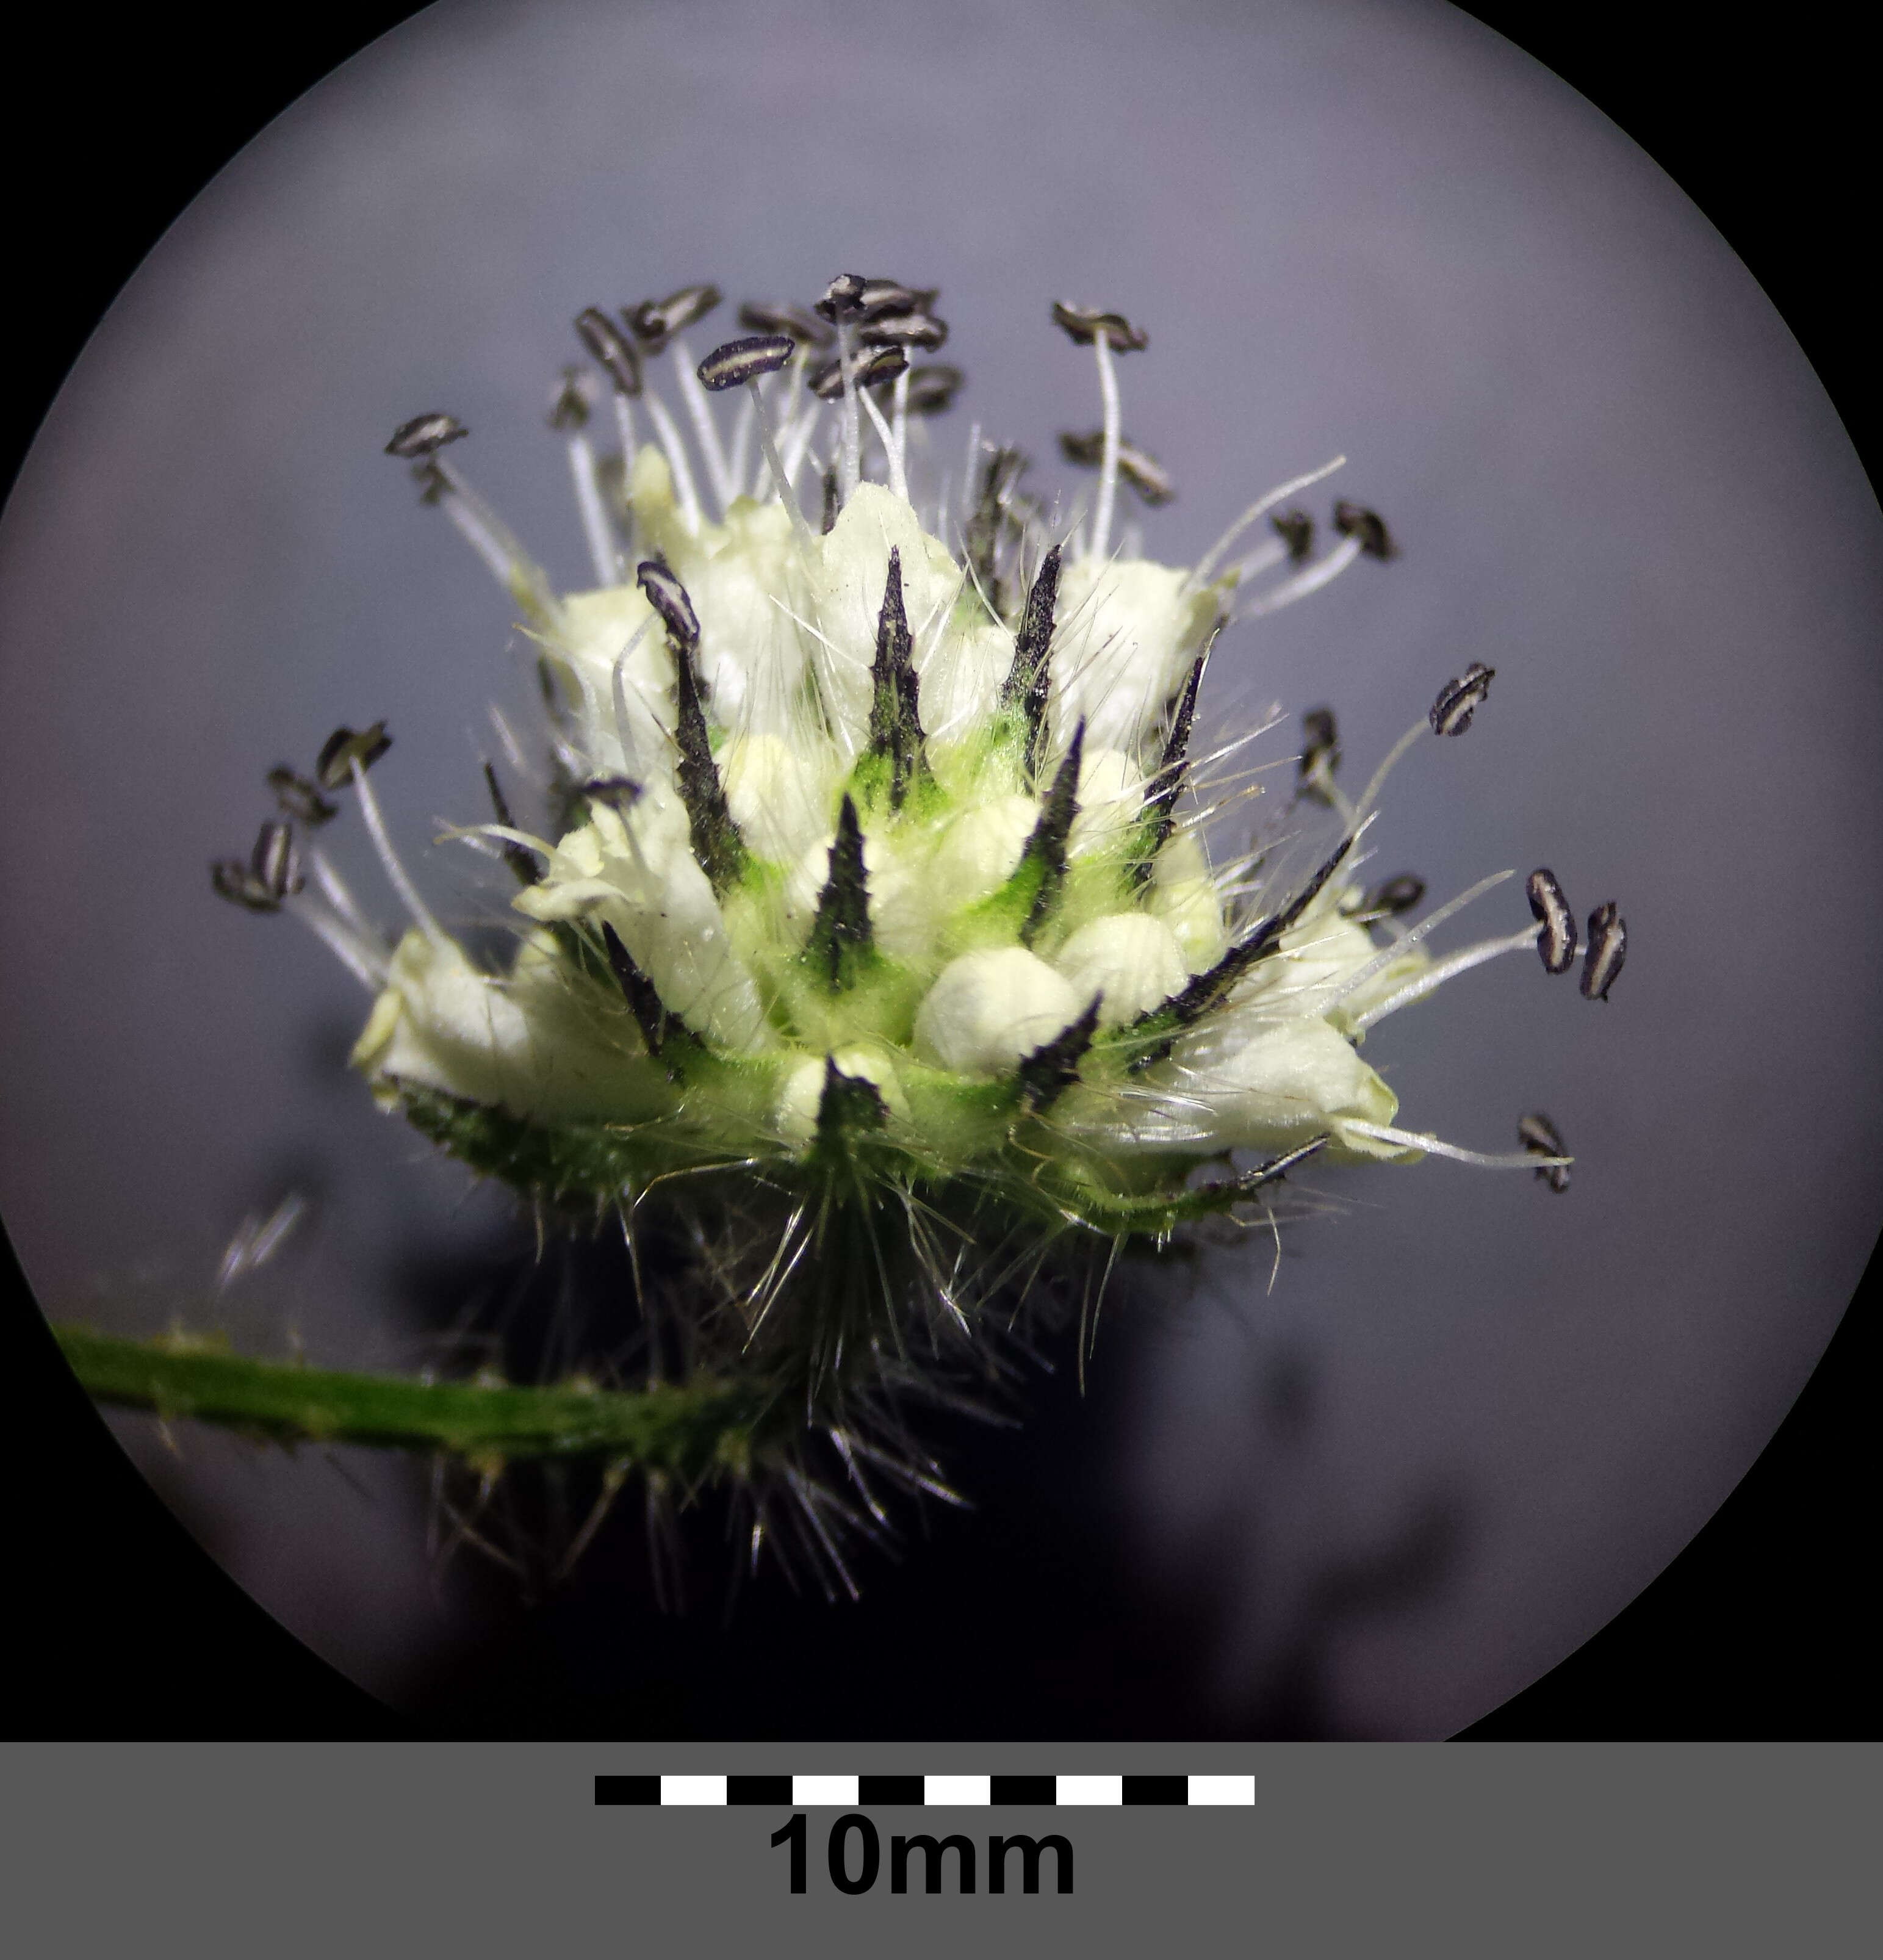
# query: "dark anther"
1050,1070
296,797
716,843
655,322
841,938
1085,323
1459,697
905,330
1044,859
275,863
934,388
619,793
1158,1028
847,1104
1276,1168
667,596
1167,780
521,860
843,297
642,996
1029,680
1320,756
1139,468
895,720
1556,941
573,402
333,767
1538,1135
1295,530
803,325
1356,520
1393,896
611,349
830,505
1608,947
423,434
868,371
745,360
233,880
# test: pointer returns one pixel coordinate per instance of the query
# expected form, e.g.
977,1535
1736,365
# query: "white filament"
1200,572
1435,977
1361,975
781,482
685,495
596,527
850,468
693,394
395,877
899,483
1418,1141
1109,465
1310,578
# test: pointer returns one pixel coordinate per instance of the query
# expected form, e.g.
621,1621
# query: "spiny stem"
689,1431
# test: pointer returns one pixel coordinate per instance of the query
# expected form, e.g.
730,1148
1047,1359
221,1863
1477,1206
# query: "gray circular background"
1470,1421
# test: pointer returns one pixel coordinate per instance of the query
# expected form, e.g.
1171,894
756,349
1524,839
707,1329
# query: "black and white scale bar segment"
864,1793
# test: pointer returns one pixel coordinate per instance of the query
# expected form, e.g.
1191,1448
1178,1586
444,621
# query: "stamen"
1355,520
1539,1135
934,388
360,959
569,410
1435,977
408,895
1412,935
1200,572
486,534
297,798
1608,947
1433,1147
686,496
804,327
1108,464
1304,582
706,430
850,468
1393,896
668,598
333,889
333,769
654,322
424,435
1460,698
1320,756
1557,942
899,483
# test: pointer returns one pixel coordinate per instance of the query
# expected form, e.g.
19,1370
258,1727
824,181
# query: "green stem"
690,1431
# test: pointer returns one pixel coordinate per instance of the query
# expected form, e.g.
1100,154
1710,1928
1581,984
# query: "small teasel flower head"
879,918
